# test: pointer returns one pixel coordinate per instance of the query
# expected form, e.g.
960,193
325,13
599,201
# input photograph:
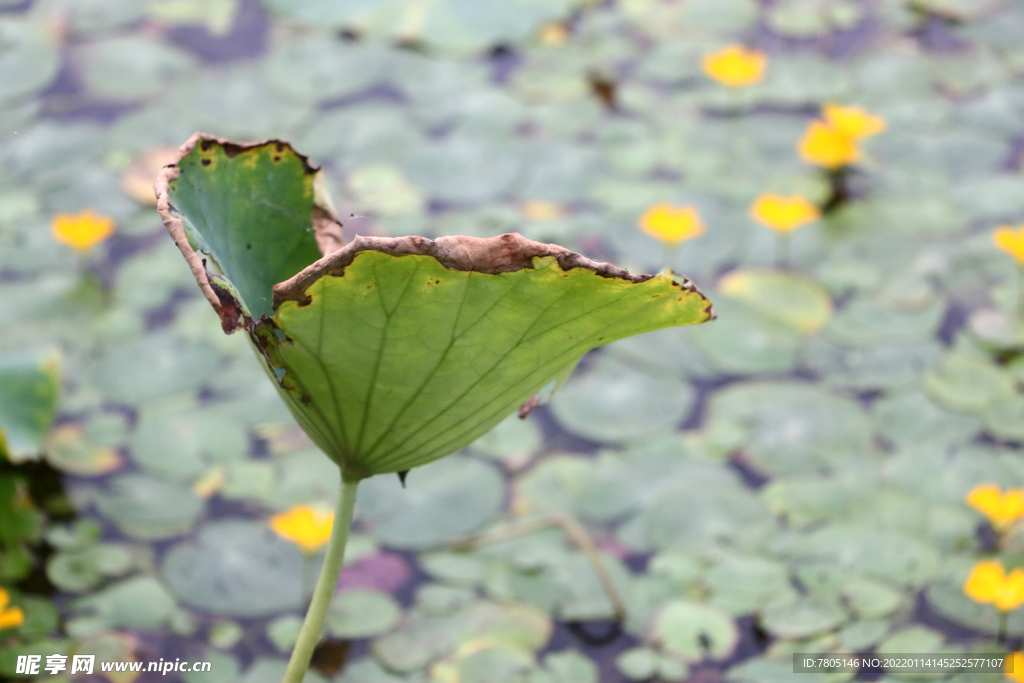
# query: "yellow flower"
1014,666
82,231
735,66
989,583
672,224
853,121
826,145
783,214
10,617
1011,241
554,34
539,210
304,526
1002,509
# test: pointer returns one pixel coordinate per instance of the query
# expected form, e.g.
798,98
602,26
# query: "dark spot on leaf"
248,245
231,149
277,158
305,399
280,147
205,145
370,286
401,477
205,162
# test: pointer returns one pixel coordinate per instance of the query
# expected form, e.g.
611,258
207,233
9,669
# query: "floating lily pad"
787,298
742,342
29,61
798,616
792,427
742,585
864,322
138,603
28,403
611,401
149,508
694,631
131,67
235,568
441,502
361,614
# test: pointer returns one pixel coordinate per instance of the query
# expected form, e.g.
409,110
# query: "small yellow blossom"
828,146
672,224
783,214
1002,509
1011,241
82,231
554,34
539,210
10,617
1014,666
853,121
735,66
304,526
989,583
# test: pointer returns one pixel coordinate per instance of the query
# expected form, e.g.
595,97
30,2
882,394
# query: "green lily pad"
789,427
423,637
28,403
313,69
968,382
742,585
405,391
910,418
797,616
890,555
178,442
79,570
787,298
743,342
514,442
237,569
441,502
694,631
29,61
611,401
140,602
131,67
864,322
361,614
149,508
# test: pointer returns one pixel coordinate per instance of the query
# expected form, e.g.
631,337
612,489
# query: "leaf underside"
400,360
392,353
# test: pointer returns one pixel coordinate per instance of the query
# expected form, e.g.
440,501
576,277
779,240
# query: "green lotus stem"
1001,635
325,585
781,250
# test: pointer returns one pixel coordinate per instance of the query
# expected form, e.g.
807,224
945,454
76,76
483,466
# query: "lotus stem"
1001,635
781,250
309,635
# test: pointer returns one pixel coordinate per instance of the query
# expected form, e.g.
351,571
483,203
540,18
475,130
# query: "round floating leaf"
440,502
792,427
800,616
613,402
694,631
137,603
638,663
742,585
29,60
131,67
912,639
81,569
910,418
862,550
283,632
149,508
514,441
968,382
70,451
787,298
28,403
865,322
362,614
313,69
238,569
179,441
742,342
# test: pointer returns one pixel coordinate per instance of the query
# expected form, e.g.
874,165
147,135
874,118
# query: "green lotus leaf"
392,352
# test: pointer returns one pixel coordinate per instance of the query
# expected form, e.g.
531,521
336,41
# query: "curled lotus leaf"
392,352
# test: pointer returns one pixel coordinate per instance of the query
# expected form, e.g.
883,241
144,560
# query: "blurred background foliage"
789,478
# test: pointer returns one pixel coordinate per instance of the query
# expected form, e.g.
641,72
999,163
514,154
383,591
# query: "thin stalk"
325,585
781,250
1019,310
1001,636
